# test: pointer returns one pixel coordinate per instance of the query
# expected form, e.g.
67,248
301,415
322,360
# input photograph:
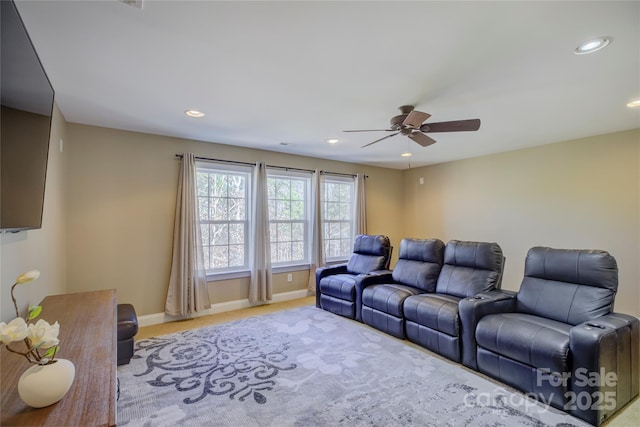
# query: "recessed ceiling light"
592,45
332,140
634,104
406,154
194,113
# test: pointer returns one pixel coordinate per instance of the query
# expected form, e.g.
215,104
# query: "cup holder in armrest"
590,325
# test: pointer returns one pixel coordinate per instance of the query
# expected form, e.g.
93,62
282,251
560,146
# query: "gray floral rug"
308,367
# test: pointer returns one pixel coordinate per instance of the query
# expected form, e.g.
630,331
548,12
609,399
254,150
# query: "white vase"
44,385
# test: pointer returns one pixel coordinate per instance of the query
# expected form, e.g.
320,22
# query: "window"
289,211
224,197
224,212
338,213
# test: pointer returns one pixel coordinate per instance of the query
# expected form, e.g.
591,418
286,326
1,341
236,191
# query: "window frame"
328,179
292,265
246,172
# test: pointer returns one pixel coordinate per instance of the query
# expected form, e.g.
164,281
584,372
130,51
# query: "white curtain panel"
361,205
260,288
317,252
188,291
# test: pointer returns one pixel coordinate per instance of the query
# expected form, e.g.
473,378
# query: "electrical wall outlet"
289,277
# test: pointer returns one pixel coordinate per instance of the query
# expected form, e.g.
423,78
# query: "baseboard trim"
157,318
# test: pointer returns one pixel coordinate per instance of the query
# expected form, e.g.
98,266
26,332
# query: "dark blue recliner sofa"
558,337
416,272
336,286
432,319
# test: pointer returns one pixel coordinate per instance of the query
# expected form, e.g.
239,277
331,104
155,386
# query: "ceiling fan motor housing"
396,122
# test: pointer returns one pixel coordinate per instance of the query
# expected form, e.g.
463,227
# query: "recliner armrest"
380,275
606,366
325,271
474,308
373,278
329,270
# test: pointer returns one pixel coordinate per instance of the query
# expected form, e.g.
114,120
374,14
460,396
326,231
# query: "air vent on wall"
133,3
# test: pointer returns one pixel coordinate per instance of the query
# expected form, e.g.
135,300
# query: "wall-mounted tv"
25,125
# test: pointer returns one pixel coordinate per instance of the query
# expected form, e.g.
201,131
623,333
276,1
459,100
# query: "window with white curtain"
338,217
224,194
289,216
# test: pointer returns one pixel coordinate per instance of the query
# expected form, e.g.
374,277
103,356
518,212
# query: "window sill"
215,277
289,268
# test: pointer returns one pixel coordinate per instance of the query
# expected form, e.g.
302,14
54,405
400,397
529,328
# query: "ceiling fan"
410,123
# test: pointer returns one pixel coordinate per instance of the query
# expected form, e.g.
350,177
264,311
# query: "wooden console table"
88,338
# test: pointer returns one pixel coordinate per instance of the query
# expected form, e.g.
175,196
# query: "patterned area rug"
308,367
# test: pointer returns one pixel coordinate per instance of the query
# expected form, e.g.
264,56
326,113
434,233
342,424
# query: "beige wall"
42,249
109,208
122,190
576,194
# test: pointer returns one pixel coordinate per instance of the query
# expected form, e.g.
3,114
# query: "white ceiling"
300,72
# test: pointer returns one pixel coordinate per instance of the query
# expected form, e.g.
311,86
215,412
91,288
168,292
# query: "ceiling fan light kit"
410,124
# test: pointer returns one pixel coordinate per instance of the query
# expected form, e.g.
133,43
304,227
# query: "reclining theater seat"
558,338
336,285
432,320
416,272
127,329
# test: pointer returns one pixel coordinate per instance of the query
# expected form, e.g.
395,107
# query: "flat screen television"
25,125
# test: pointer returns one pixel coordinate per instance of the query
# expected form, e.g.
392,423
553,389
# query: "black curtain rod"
179,156
209,159
290,169
341,174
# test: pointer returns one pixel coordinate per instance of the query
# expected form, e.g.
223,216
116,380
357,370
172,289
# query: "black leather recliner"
336,285
127,329
432,319
557,338
416,272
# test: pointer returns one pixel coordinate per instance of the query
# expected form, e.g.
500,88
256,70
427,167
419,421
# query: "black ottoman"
127,328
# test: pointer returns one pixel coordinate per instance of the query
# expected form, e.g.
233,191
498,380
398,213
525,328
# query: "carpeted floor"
307,367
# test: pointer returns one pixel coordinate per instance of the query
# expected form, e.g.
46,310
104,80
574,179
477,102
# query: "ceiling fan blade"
415,119
452,126
378,140
369,130
421,138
